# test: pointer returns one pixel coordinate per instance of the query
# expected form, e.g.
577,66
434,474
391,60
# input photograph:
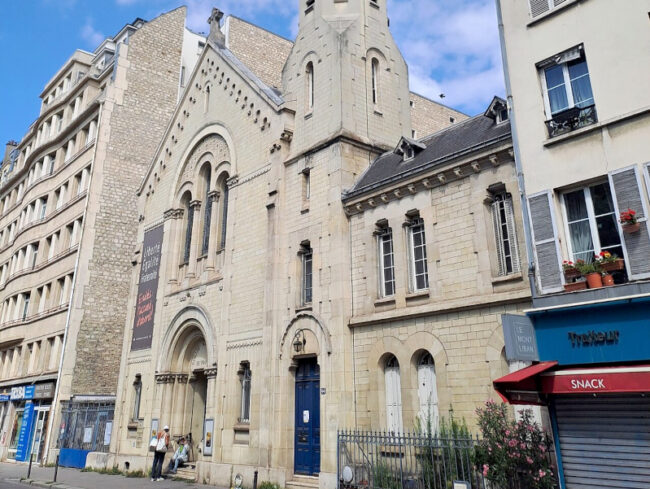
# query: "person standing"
162,445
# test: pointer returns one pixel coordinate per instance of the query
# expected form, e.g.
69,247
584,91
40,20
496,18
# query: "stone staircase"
302,482
187,472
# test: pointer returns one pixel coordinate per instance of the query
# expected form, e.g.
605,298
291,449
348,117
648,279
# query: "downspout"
55,399
518,168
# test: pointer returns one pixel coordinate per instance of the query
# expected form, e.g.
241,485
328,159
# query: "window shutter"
627,193
512,236
547,253
558,2
498,234
393,399
538,7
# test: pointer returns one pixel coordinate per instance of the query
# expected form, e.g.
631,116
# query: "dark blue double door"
307,423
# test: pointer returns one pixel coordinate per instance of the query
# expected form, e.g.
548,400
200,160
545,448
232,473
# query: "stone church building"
311,259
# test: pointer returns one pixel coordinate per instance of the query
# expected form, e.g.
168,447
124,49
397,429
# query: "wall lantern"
299,341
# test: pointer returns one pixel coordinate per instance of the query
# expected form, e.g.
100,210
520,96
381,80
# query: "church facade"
268,306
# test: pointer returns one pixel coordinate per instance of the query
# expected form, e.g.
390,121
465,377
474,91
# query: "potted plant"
608,279
610,262
570,270
591,271
629,222
575,286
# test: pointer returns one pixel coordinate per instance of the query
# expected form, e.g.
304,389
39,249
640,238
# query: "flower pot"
613,266
608,280
631,228
571,273
572,287
594,280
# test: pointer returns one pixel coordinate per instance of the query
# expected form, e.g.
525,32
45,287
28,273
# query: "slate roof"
456,141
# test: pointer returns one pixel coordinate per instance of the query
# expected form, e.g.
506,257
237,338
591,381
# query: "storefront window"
15,431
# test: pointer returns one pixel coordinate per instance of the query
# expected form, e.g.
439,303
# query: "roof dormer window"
498,110
408,148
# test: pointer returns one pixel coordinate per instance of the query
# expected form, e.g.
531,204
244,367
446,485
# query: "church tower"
346,76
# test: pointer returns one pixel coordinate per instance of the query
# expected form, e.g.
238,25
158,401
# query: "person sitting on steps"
180,457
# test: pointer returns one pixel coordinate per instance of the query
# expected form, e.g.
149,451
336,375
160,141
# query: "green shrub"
135,473
268,485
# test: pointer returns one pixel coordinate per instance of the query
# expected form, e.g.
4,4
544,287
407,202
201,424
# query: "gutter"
515,146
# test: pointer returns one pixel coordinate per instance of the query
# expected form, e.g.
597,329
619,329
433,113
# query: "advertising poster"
22,448
207,436
147,289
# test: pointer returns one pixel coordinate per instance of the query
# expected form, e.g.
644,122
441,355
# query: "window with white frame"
306,259
427,393
386,260
393,395
503,221
591,222
418,269
566,82
245,378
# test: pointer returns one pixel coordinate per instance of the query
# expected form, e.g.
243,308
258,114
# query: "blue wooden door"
307,424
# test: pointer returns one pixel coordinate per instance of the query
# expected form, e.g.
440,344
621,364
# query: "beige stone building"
254,323
67,232
577,75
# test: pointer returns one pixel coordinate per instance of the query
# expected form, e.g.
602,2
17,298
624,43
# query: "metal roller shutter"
605,441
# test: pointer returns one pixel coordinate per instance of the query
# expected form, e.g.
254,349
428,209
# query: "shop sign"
594,338
613,380
22,449
44,391
147,289
5,397
22,392
519,335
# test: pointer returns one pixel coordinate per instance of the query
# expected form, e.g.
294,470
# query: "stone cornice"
428,179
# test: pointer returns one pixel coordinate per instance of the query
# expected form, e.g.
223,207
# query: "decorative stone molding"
210,372
243,344
166,378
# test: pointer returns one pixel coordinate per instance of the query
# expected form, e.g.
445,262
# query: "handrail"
56,212
40,266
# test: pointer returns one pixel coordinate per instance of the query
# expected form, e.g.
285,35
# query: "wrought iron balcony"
571,119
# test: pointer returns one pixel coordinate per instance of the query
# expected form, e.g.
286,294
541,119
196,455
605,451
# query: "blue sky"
451,46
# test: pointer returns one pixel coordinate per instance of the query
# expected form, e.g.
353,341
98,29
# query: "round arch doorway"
188,361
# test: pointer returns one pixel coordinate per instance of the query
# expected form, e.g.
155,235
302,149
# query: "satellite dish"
347,474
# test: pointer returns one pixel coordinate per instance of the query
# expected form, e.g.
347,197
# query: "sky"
450,46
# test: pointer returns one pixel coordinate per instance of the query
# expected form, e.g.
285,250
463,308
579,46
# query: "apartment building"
67,233
577,74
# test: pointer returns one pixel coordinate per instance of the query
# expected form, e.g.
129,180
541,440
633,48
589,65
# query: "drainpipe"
55,399
515,146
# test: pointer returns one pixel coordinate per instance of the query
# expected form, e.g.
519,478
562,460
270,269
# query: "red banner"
611,380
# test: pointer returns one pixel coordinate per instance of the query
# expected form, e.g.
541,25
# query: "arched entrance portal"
189,361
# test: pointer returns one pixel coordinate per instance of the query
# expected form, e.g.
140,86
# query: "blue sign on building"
23,447
4,397
598,333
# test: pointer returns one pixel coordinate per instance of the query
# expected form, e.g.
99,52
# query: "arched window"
393,395
206,174
309,75
189,222
206,104
374,74
427,393
223,210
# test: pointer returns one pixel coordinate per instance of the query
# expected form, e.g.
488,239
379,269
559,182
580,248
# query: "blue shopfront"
30,405
594,375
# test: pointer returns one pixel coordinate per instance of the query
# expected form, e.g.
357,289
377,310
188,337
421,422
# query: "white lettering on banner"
588,384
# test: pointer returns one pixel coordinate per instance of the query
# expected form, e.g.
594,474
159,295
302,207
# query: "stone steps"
302,482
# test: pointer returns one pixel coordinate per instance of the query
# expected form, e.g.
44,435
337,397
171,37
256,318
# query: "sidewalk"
75,479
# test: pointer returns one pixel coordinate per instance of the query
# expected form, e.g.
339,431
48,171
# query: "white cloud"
91,35
451,46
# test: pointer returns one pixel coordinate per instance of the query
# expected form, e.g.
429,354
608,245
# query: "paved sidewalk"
75,479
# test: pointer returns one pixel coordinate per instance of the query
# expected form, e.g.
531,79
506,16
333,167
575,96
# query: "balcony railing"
571,119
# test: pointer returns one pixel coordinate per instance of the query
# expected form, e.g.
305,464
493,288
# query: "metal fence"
84,426
386,460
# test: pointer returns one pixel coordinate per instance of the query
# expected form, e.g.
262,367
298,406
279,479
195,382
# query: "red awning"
594,380
522,386
525,386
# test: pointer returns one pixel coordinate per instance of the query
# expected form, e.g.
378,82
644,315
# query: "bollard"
56,467
255,480
29,469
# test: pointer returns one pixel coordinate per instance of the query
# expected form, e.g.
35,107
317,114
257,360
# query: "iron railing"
571,119
387,460
84,426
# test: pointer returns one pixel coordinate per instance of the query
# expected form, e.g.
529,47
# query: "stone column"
214,235
211,405
167,397
177,425
174,230
196,236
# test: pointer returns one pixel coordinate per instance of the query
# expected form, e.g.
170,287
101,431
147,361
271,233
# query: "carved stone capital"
165,378
195,204
210,372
